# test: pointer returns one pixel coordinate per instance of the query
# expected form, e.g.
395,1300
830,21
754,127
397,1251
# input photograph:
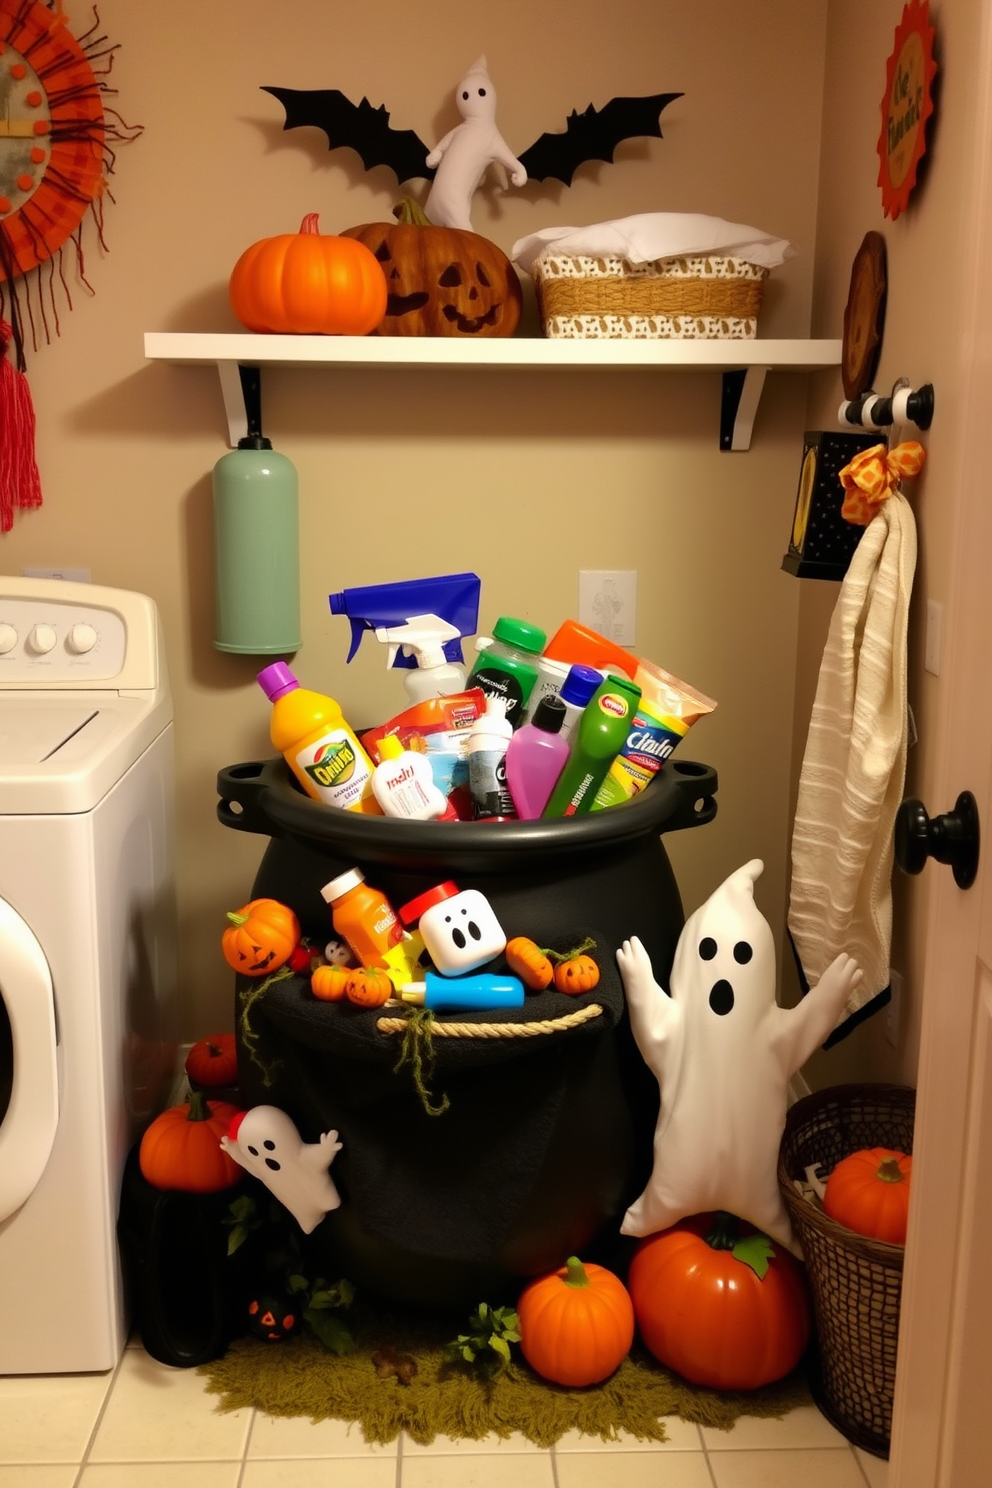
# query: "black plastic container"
546,1139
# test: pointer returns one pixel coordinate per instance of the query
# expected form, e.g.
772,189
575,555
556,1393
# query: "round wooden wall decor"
906,107
864,316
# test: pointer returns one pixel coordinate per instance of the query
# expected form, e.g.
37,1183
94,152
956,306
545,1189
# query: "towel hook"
870,410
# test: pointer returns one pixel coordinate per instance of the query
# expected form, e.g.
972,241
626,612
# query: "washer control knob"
81,638
42,639
8,638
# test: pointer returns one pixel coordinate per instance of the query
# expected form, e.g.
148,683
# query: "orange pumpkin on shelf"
181,1148
441,281
261,937
308,284
720,1303
868,1192
576,1325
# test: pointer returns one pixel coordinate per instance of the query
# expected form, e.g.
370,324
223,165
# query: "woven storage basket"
702,298
856,1282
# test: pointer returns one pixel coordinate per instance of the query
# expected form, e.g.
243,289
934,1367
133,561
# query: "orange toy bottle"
363,917
323,752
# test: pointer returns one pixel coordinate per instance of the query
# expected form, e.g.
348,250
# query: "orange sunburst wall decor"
57,152
906,107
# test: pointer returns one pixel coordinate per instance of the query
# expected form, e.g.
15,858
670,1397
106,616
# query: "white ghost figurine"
266,1143
462,157
723,1053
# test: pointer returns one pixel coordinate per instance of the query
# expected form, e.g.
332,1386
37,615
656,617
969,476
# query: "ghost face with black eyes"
461,932
267,1144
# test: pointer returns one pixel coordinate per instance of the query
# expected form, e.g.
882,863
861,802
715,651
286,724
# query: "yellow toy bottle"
310,732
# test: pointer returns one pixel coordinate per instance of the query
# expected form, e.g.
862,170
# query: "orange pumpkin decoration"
213,1061
868,1192
720,1303
442,281
261,937
576,1325
181,1148
527,961
368,986
330,983
577,974
308,283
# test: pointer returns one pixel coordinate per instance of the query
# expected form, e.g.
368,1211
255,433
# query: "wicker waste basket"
700,298
856,1281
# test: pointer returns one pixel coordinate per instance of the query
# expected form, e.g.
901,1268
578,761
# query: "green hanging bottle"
256,550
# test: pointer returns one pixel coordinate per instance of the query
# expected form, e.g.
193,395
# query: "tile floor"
145,1425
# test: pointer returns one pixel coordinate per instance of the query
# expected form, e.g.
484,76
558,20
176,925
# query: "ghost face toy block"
266,1143
723,1053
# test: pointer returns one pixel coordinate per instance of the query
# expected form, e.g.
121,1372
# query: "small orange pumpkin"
308,283
213,1061
577,974
181,1148
868,1192
261,937
330,983
527,961
576,1325
368,986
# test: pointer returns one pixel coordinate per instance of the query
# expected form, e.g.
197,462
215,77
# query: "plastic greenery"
486,1345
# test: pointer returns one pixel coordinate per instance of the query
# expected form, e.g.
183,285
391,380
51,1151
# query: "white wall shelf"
238,358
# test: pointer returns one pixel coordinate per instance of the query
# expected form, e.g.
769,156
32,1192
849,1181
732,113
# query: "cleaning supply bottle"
535,757
403,783
596,742
488,739
575,642
323,752
464,993
454,597
423,637
576,691
507,664
667,710
256,550
363,917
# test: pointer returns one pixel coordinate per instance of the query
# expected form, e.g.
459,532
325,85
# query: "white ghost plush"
463,155
265,1142
723,1053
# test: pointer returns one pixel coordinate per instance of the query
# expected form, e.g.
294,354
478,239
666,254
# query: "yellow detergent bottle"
310,732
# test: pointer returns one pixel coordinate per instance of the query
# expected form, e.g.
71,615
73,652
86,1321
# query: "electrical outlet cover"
608,603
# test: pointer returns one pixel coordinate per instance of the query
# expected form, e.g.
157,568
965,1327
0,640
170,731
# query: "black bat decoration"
360,126
594,135
591,135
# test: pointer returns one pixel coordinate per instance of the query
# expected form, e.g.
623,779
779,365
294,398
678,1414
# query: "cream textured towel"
855,764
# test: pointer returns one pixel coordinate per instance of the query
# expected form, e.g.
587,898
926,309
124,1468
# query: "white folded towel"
854,767
648,236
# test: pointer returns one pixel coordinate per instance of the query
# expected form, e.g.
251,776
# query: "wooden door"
941,1427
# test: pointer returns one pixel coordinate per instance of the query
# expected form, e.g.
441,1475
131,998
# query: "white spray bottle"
424,637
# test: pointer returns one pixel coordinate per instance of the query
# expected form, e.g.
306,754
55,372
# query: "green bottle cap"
520,633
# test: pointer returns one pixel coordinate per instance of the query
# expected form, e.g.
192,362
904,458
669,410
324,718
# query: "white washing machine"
87,953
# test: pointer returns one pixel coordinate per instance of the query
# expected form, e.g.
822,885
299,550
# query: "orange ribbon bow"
873,475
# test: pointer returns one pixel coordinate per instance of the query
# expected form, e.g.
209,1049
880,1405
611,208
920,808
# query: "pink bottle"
535,757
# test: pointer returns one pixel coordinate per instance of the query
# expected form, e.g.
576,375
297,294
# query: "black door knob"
952,838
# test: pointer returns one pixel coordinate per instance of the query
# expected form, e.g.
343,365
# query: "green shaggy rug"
300,1377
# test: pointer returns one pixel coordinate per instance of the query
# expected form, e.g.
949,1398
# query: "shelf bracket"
738,406
241,389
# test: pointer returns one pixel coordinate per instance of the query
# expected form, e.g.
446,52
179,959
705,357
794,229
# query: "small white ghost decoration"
266,1143
462,157
723,1053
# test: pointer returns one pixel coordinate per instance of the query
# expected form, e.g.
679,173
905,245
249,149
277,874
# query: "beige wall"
525,477
926,293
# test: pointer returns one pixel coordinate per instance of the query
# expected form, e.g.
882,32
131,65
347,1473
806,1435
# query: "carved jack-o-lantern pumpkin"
441,281
273,1318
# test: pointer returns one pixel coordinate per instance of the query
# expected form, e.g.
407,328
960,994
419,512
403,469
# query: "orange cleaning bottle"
363,917
322,750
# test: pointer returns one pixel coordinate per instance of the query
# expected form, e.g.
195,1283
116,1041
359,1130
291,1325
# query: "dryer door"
29,1123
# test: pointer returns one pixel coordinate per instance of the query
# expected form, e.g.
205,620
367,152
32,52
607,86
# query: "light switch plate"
608,603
